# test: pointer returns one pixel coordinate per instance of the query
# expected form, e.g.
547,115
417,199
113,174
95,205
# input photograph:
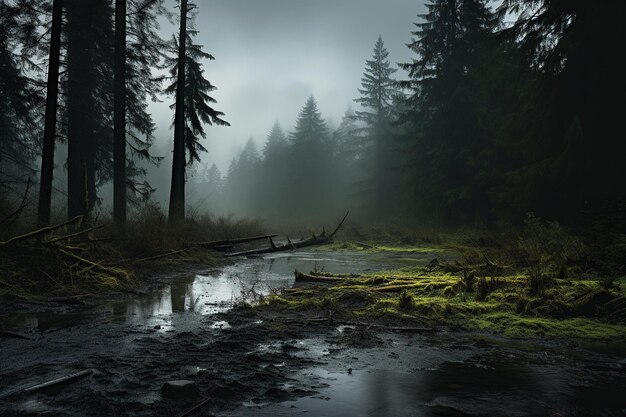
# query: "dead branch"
196,407
41,232
233,241
163,255
302,277
312,241
80,233
62,380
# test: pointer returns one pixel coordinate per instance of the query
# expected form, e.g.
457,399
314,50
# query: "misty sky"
272,54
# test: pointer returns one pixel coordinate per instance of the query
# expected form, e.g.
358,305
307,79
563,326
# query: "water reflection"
213,292
497,387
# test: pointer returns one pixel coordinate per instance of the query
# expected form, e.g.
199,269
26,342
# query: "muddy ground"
255,368
250,362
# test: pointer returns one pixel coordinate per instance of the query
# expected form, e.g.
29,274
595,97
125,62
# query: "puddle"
484,383
213,292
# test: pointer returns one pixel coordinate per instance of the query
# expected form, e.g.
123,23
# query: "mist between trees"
506,108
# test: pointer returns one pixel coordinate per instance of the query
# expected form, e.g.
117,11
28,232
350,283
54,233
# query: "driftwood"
196,407
230,242
41,232
73,235
162,255
302,277
58,381
6,333
312,241
49,384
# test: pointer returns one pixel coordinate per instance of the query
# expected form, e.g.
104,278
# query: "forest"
425,195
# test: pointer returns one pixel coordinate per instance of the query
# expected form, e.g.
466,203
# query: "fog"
271,55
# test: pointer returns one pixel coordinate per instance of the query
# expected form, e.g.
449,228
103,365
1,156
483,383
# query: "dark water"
215,291
457,374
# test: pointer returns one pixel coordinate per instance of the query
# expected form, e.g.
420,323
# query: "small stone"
180,388
157,327
350,371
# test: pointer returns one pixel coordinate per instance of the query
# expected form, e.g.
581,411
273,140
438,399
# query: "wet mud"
246,364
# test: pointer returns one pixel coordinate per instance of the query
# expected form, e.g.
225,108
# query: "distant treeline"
506,108
505,111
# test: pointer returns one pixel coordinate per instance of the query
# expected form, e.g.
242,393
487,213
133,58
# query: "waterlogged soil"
247,365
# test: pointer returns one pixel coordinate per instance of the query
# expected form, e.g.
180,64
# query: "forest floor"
449,326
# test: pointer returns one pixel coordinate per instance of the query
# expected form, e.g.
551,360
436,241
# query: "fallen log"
58,381
230,242
196,407
162,255
41,232
73,235
312,241
302,277
6,333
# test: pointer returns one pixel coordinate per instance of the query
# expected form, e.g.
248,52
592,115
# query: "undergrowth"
102,257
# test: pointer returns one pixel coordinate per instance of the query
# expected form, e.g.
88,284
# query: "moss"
417,294
512,324
372,247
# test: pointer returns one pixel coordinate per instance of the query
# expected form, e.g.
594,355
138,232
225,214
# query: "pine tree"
445,135
137,50
119,115
310,161
214,180
377,90
349,153
20,98
573,161
49,134
273,172
242,181
192,108
89,101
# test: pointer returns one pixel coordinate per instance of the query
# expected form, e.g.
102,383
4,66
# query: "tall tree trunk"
177,191
119,115
81,79
49,133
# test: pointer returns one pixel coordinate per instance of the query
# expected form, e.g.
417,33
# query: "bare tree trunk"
177,191
81,189
49,133
119,116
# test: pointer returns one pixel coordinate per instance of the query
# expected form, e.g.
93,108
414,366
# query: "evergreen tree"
192,107
89,97
273,172
242,181
310,162
89,104
137,50
49,135
572,160
21,99
445,135
214,180
348,170
377,90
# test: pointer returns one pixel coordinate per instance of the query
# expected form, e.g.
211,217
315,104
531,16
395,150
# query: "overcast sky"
272,54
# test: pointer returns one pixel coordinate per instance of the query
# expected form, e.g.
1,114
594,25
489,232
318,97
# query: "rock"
180,388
